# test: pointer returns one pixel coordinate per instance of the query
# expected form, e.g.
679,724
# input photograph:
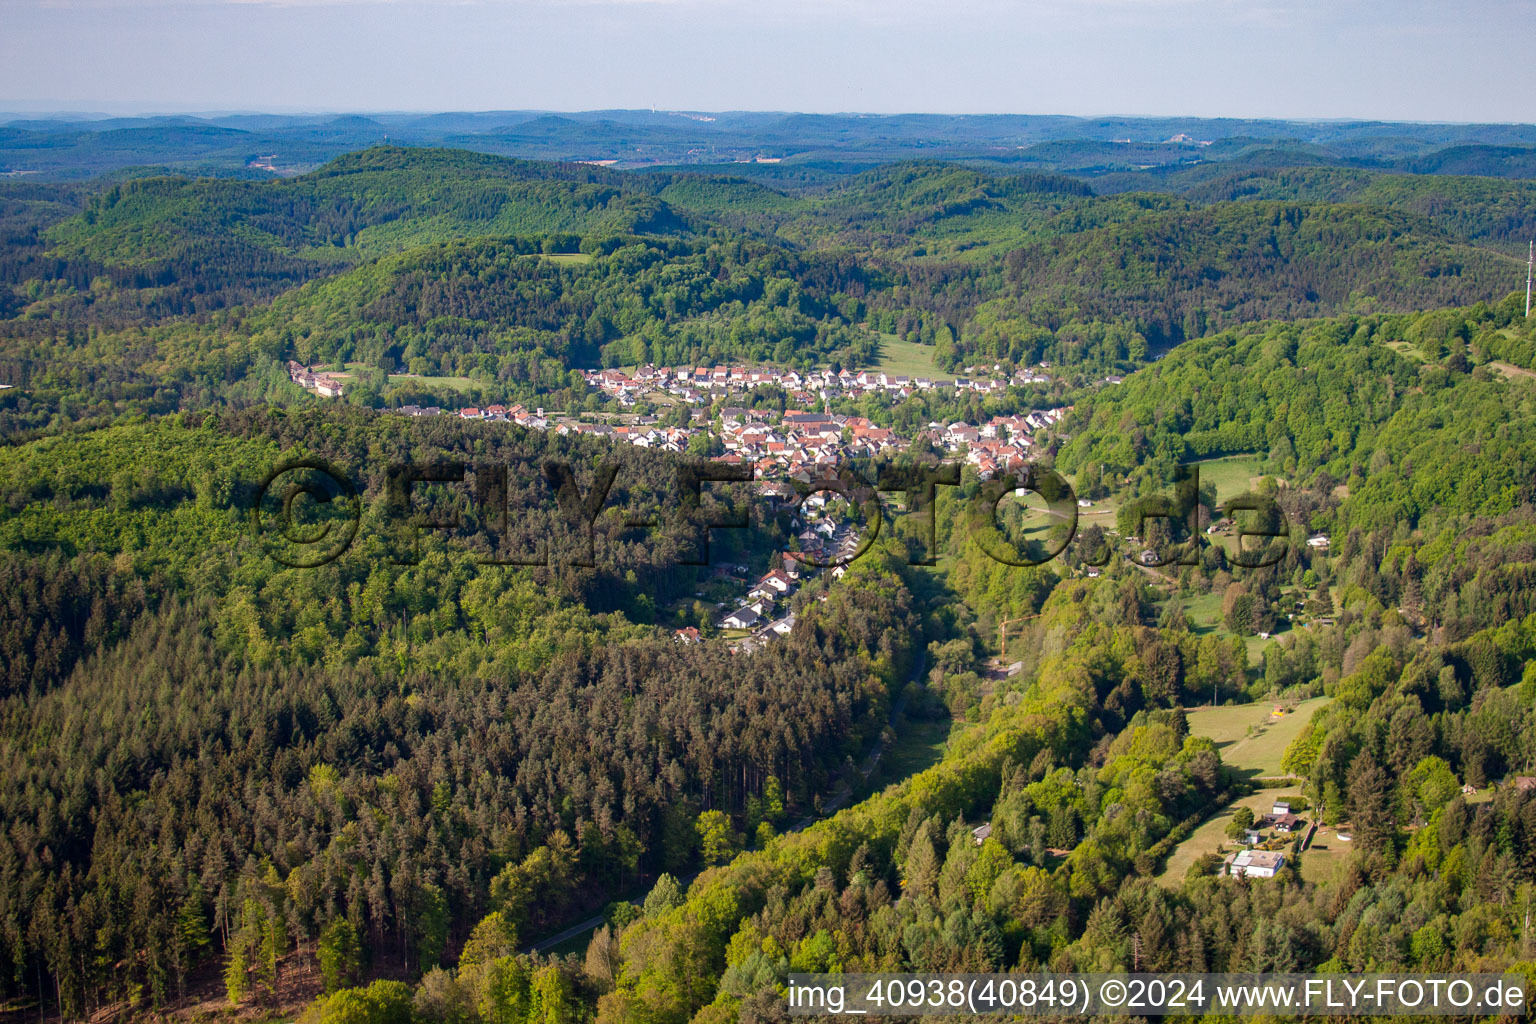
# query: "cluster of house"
641,435
698,384
824,539
764,611
642,432
519,414
1252,863
999,445
795,446
800,441
1279,818
800,444
322,384
1039,374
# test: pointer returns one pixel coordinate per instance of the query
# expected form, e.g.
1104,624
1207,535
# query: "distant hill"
627,301
73,147
207,242
982,263
1174,274
379,199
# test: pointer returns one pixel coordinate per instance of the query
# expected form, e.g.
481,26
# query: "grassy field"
1204,616
455,383
1406,350
567,257
1259,754
1035,523
909,358
1232,475
1212,833
1513,372
1255,645
919,745
1320,862
1203,612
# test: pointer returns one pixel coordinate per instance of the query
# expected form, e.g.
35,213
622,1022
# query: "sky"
1387,59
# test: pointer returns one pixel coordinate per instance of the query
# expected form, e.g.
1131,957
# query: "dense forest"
380,790
509,715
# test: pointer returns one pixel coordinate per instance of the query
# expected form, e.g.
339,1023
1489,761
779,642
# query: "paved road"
828,808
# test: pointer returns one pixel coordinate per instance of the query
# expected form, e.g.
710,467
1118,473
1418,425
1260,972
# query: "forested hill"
416,739
1412,413
401,196
1482,210
464,305
1409,440
231,241
983,267
909,207
1173,275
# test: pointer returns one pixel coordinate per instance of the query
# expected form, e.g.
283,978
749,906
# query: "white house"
776,580
1257,864
741,618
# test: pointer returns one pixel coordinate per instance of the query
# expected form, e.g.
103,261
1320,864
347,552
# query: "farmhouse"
1286,823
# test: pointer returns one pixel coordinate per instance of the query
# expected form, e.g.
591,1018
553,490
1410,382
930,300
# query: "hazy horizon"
86,112
1283,59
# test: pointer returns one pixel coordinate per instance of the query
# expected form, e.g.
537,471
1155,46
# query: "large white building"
1257,864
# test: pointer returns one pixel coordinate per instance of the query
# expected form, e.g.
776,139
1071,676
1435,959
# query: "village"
695,384
795,447
788,445
787,452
